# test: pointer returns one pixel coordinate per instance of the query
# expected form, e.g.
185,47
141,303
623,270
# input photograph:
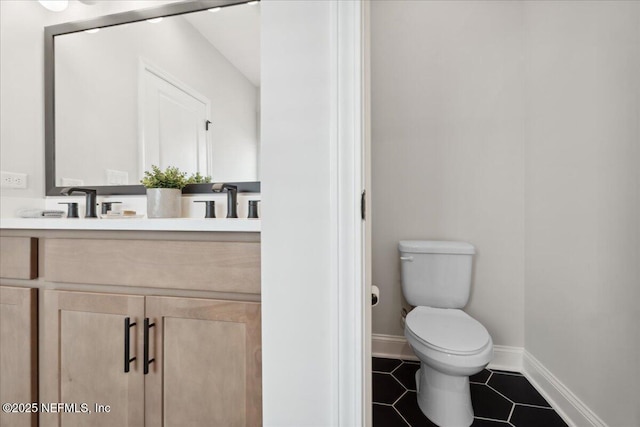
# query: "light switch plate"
116,177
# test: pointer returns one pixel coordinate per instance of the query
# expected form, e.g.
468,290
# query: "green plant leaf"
171,177
196,178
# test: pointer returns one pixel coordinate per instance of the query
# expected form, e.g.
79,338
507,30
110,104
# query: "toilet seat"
447,330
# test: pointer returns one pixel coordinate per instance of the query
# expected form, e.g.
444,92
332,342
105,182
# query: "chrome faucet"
232,197
90,199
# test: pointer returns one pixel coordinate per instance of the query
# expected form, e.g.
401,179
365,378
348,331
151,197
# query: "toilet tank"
436,273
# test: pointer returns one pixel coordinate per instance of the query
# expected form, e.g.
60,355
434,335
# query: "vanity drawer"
212,266
18,257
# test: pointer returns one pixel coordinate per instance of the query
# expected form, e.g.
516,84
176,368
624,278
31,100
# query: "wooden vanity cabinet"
18,257
84,359
97,291
207,368
18,353
204,360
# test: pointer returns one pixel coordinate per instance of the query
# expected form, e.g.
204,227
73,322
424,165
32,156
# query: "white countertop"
138,224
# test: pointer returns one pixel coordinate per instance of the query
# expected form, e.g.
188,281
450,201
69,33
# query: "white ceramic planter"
164,203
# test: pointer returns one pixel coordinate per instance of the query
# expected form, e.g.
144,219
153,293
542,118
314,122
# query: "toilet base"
444,399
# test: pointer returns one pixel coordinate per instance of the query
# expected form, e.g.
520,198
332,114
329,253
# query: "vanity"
140,327
140,322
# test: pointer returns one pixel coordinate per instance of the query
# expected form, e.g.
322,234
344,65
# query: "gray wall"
582,276
515,126
448,151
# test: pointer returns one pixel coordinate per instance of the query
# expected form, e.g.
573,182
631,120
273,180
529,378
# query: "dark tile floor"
500,399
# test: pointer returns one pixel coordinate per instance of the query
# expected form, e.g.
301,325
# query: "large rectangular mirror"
177,85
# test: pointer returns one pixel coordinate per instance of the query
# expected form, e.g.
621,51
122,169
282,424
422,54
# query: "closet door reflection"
173,124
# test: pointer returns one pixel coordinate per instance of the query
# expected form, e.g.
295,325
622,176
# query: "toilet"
451,345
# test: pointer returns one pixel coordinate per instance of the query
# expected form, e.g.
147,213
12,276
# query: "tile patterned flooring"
500,398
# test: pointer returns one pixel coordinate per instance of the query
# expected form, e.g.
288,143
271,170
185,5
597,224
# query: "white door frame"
352,295
145,66
314,293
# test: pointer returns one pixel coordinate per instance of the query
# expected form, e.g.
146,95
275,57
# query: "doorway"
173,123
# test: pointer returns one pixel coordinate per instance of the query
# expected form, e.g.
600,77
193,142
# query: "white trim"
334,207
396,347
347,150
567,405
145,66
367,246
391,346
506,358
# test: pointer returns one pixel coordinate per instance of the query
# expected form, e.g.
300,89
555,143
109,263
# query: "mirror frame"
52,31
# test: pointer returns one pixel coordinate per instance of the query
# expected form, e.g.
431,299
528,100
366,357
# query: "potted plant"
164,190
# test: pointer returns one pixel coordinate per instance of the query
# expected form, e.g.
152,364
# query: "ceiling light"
154,20
54,5
215,9
92,30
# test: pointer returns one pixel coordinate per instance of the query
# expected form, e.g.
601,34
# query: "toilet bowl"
451,346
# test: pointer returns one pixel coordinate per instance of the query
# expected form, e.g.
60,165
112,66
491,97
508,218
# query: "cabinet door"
84,359
18,355
207,369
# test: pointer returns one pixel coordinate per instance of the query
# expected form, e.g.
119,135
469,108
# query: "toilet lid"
450,330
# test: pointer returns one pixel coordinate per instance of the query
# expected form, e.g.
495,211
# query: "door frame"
145,66
315,297
351,163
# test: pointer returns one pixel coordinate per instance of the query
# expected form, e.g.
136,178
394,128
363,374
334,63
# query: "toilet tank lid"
435,247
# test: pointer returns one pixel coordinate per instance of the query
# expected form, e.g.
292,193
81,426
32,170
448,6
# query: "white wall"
583,200
298,346
22,83
447,147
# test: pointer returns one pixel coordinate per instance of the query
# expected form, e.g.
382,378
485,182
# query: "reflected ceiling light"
54,5
154,20
253,2
92,30
215,9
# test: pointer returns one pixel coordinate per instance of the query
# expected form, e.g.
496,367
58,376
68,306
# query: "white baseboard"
391,346
396,347
567,405
506,358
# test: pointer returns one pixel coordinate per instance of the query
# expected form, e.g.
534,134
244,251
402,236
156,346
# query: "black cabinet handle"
127,344
147,361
